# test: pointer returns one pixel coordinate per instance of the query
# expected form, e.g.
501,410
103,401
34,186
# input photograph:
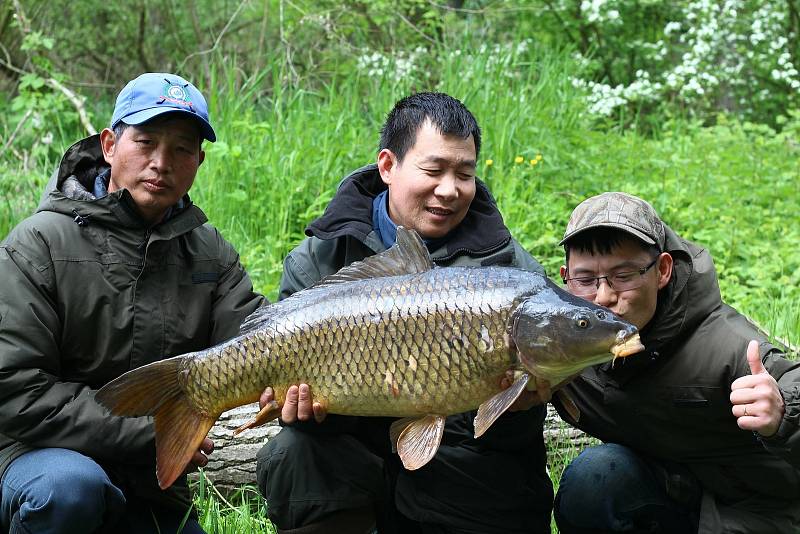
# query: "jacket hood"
690,296
350,213
69,192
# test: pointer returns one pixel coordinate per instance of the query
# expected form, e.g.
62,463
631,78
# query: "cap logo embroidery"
175,94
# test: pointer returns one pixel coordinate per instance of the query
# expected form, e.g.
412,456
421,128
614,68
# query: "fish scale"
447,333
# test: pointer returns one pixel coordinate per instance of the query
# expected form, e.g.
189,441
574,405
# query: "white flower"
672,27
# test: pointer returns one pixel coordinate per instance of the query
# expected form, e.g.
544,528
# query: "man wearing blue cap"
116,269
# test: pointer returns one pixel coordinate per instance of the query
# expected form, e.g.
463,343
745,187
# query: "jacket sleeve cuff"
786,441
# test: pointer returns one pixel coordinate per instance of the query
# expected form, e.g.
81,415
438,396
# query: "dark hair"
120,128
447,114
603,240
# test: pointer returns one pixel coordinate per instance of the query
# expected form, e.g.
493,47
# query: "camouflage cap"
617,210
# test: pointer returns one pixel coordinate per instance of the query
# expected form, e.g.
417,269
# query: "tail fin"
154,390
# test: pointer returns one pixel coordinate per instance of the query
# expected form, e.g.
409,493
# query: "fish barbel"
387,336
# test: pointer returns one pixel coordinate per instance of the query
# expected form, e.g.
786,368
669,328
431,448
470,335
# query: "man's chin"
437,229
433,232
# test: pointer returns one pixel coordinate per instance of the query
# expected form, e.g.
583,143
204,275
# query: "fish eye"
582,321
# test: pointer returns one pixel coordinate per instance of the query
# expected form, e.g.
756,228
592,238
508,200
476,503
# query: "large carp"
387,336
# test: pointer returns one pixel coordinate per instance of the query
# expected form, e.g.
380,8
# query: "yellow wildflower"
489,162
539,157
519,159
534,161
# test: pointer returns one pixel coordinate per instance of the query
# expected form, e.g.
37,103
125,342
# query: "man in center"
333,473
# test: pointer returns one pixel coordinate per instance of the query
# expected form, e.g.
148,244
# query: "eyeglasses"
588,285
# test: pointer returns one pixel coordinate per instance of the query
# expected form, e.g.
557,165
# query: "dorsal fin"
407,256
256,320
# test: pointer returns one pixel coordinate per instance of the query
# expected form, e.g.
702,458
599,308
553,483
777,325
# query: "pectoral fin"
416,440
490,410
569,405
266,414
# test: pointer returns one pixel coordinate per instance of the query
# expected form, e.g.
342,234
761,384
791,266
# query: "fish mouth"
627,346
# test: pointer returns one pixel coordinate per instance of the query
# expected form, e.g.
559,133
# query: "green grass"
244,512
733,187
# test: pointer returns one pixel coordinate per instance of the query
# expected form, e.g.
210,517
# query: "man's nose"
161,159
447,187
605,295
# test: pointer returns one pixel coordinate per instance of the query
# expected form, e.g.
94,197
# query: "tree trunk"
233,463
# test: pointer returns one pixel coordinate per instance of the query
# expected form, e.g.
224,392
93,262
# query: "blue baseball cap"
154,93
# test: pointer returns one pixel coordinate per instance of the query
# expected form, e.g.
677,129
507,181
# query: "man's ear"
202,158
108,142
387,161
563,272
664,267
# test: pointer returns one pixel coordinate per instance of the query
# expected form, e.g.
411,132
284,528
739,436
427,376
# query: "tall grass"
244,512
733,188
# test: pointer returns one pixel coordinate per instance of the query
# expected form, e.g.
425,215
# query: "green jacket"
344,234
88,292
672,403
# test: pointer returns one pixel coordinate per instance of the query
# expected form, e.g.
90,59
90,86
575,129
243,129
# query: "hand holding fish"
299,404
756,398
200,456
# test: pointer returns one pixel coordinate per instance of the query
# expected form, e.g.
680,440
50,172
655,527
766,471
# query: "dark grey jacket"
88,292
672,402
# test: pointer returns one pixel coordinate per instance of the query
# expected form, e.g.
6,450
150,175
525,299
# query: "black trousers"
469,487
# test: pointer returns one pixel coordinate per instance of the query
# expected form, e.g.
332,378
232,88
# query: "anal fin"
491,409
416,439
266,414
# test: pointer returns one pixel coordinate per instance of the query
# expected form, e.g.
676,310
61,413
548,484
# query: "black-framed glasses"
588,285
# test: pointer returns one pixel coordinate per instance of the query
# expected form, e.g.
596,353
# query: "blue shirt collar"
385,227
101,184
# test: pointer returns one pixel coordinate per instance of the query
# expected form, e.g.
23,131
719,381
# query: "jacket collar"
690,296
349,213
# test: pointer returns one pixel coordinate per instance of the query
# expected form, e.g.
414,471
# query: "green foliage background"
298,91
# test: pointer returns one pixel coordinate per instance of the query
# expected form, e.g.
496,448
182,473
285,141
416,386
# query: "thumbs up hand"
756,398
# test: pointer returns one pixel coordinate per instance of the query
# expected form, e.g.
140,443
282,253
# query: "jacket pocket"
710,403
691,396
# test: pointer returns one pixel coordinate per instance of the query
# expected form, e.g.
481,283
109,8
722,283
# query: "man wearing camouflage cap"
116,269
700,431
